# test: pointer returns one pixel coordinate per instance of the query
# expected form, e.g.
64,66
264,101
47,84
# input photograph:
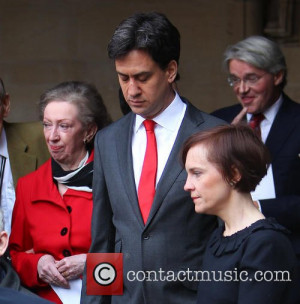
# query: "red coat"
48,223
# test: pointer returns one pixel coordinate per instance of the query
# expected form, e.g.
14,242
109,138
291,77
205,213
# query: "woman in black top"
249,258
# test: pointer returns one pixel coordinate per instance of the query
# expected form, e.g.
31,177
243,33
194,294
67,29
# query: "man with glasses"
22,150
257,73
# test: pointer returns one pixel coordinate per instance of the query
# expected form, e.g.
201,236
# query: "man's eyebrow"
135,75
247,74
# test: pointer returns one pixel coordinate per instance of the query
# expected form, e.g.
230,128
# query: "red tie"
255,121
146,189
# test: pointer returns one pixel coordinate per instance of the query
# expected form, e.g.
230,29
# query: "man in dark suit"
257,74
23,147
170,236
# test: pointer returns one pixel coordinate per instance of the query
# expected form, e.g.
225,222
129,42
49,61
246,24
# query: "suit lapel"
173,168
124,152
283,124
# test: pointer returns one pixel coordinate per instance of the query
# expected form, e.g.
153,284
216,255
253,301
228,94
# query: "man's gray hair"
260,52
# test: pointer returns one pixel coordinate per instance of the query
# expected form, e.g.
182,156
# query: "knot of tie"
254,123
255,120
149,125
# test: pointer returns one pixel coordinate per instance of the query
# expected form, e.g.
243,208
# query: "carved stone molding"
279,18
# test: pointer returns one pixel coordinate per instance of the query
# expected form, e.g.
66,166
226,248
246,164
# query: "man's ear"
278,78
3,242
92,130
172,71
5,104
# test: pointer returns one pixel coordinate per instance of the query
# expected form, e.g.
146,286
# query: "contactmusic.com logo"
104,274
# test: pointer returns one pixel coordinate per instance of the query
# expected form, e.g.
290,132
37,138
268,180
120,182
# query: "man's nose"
243,86
133,88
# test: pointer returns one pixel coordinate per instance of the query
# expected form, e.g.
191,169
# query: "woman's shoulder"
271,236
264,230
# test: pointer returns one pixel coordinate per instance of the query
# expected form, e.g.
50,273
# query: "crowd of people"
169,186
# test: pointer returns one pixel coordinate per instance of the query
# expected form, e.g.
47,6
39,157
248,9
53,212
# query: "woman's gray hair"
84,96
1,220
260,52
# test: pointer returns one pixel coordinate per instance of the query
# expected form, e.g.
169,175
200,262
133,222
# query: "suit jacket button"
146,237
66,253
69,209
64,231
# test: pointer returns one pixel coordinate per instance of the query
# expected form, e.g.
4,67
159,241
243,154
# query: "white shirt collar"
169,118
3,144
271,112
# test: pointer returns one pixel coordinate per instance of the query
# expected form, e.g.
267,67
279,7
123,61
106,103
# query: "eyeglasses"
250,79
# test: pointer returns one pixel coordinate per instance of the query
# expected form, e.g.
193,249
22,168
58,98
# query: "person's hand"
48,272
71,267
239,117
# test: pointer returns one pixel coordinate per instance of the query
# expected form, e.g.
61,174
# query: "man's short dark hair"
151,32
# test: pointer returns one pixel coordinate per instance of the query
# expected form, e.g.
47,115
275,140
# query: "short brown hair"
233,147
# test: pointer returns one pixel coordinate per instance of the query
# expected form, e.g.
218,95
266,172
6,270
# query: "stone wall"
44,42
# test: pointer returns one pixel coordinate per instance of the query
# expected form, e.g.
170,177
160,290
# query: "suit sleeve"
102,228
24,263
268,269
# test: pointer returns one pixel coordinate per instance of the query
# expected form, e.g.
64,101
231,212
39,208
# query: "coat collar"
125,162
10,278
284,123
46,190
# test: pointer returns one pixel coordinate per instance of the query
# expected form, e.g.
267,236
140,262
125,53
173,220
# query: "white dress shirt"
8,195
167,125
266,189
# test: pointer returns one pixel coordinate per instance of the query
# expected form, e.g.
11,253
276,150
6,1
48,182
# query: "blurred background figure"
51,226
22,150
224,165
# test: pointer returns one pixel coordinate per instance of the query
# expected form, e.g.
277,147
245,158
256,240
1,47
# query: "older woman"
52,215
249,259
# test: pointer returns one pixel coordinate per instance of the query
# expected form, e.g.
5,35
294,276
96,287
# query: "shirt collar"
3,144
168,119
271,112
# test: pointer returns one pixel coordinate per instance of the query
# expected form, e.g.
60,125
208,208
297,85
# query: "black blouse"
255,265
